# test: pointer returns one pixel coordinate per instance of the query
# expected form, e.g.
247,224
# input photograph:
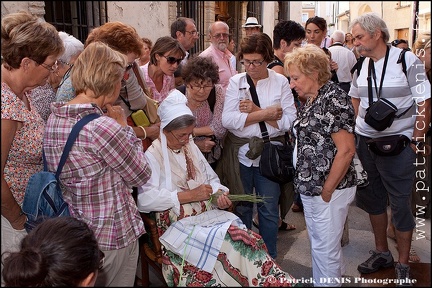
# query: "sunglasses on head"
172,60
398,41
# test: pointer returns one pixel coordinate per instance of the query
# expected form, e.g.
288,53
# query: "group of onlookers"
205,146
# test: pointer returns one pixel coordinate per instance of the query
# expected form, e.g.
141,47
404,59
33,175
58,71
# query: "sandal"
296,208
413,257
286,227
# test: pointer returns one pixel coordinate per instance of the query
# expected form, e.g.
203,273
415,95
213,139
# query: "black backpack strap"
274,63
401,59
358,65
71,139
212,99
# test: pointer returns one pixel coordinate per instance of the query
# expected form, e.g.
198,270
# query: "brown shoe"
296,208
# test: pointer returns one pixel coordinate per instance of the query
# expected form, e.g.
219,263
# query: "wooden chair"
150,250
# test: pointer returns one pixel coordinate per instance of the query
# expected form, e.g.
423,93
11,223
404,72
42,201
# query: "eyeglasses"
193,33
255,63
52,68
64,63
190,137
198,88
129,66
171,60
221,35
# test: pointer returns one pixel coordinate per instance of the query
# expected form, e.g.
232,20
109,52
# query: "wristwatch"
418,144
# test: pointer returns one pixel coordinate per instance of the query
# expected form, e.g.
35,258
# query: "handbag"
389,145
150,109
381,113
276,162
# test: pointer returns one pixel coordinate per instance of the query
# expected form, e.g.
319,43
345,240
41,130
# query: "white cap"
251,22
173,106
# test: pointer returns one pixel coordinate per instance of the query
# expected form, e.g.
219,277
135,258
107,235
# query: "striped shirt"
105,162
403,91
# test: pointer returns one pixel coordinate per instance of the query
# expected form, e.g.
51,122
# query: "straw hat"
251,22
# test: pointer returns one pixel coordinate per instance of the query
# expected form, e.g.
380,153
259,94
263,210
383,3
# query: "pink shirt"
167,86
222,59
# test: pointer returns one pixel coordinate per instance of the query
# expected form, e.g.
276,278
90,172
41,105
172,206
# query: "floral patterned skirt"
242,261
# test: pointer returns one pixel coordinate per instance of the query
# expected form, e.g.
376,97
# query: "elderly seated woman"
203,245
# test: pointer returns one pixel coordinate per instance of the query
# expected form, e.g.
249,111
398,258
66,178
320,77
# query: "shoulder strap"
140,80
71,139
358,65
255,99
212,99
369,79
401,59
274,63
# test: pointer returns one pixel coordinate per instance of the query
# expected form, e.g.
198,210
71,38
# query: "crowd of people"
204,148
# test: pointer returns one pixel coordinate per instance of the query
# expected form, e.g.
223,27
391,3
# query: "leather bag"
276,162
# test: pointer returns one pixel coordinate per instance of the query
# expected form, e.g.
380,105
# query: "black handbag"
276,163
381,113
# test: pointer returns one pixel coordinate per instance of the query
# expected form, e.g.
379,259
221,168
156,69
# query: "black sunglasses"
129,66
172,60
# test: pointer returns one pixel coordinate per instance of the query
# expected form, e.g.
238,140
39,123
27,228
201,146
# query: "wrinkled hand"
153,131
223,202
247,106
116,113
274,113
202,192
205,145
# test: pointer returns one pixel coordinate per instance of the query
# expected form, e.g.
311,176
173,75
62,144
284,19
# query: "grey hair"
180,123
370,22
338,36
73,46
212,25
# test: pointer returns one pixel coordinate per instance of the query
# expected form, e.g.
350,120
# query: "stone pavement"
294,248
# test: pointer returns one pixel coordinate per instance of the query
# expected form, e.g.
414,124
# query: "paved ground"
294,248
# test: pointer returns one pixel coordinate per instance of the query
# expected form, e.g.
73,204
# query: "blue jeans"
268,212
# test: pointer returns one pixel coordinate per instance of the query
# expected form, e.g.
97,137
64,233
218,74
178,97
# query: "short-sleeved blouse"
25,154
331,111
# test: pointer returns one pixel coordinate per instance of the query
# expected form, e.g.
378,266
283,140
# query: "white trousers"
10,240
325,224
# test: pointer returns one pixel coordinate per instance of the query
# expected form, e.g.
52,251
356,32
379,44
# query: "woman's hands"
117,113
205,145
223,202
202,192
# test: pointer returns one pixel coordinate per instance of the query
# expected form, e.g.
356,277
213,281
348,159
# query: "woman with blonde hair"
106,160
324,151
